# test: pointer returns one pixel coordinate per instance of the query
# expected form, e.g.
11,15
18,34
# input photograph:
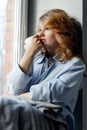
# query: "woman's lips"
43,40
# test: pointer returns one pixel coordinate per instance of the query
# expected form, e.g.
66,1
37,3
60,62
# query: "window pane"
3,6
12,36
6,40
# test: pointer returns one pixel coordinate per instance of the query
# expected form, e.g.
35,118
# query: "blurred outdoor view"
3,7
6,39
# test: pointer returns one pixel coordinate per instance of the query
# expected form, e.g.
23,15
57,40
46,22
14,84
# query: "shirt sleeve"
17,81
60,88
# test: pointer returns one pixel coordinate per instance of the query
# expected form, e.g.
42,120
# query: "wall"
74,8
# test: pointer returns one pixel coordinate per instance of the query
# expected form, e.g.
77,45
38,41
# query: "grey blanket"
19,114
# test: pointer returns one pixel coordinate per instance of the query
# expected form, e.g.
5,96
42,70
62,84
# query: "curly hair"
68,33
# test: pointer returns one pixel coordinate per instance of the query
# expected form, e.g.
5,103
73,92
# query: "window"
13,25
3,7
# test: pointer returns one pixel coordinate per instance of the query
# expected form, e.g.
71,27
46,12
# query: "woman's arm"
19,78
32,46
60,85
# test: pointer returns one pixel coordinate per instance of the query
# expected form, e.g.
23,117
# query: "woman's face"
47,37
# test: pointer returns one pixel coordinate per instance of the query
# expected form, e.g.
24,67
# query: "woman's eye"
39,30
46,28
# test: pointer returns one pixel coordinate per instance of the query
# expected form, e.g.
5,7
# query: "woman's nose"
41,33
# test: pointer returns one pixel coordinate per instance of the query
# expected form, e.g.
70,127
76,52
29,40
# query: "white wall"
73,7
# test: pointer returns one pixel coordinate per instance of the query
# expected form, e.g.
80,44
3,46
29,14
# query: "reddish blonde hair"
69,31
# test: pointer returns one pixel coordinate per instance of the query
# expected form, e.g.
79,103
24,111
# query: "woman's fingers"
33,41
37,36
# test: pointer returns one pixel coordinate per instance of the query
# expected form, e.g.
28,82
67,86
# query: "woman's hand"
25,95
33,44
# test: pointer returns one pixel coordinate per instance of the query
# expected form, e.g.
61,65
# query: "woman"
51,71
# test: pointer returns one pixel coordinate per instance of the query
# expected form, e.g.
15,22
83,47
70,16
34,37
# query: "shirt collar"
41,58
55,58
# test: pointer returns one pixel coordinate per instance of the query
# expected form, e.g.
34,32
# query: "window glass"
6,40
13,32
3,8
